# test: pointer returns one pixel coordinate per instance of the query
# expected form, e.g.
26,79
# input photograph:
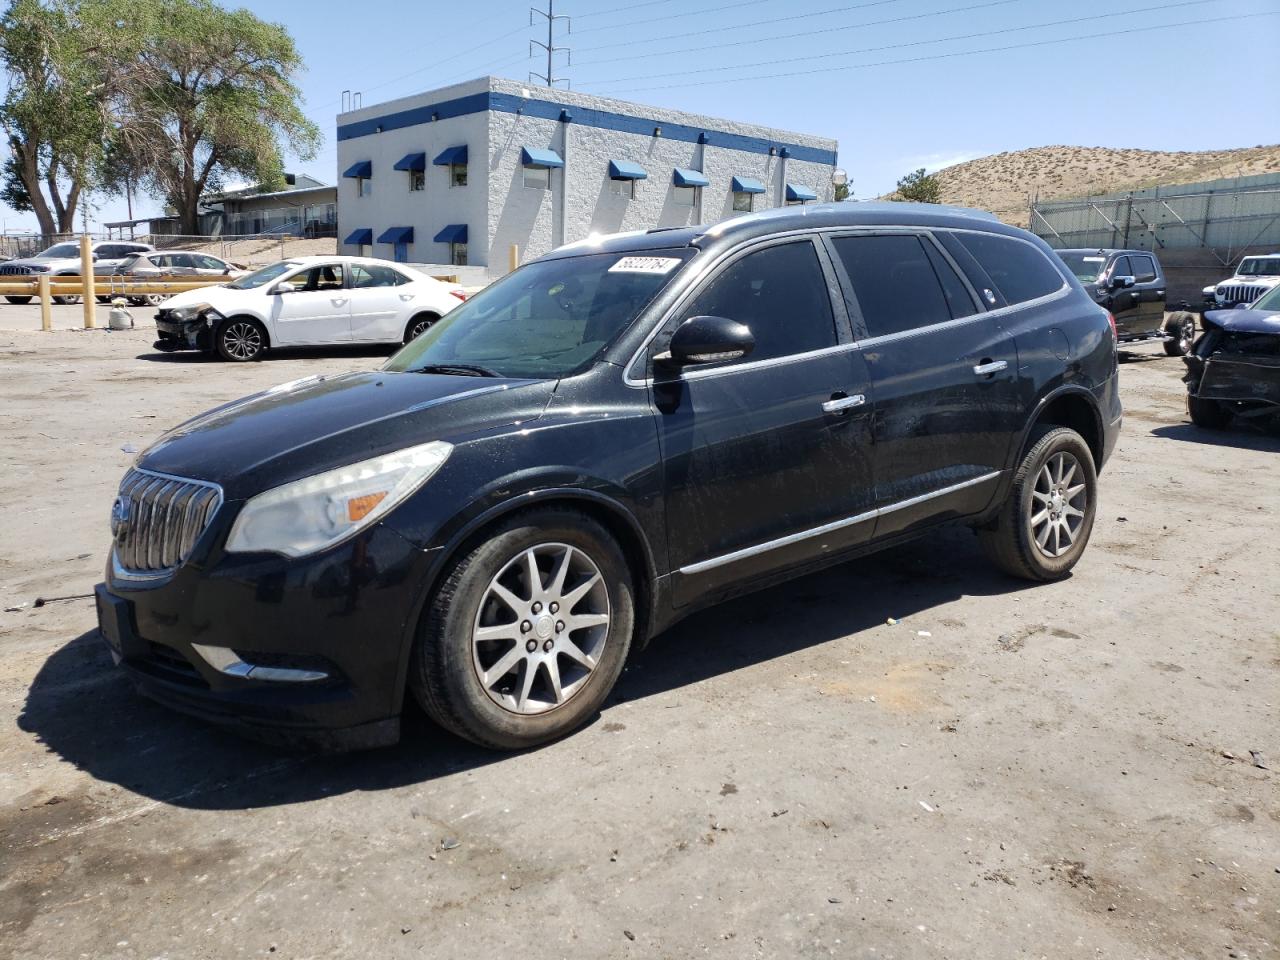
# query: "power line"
742,26
678,16
919,43
626,6
962,53
810,33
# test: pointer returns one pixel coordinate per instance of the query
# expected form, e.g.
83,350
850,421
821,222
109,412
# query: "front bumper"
183,334
330,635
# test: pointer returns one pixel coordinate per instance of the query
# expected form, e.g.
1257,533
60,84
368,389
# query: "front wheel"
1182,327
528,632
1210,414
241,340
1043,527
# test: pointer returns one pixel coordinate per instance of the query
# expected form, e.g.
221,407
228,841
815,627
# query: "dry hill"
1002,183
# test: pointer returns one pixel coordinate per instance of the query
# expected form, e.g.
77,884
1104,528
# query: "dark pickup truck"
1131,285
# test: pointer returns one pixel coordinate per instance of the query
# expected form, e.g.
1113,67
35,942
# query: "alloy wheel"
541,628
1057,508
1186,336
418,329
242,340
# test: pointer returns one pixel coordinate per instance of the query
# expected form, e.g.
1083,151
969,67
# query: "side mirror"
708,340
282,287
1122,283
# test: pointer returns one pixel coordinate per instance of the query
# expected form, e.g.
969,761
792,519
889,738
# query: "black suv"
628,429
1131,285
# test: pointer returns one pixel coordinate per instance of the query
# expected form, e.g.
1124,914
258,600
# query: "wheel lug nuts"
554,608
525,626
547,646
531,646
537,608
559,626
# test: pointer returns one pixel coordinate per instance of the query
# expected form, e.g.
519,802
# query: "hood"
308,426
1254,279
215,294
1245,321
42,261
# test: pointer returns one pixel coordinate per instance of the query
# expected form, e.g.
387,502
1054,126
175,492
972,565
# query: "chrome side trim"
704,565
225,660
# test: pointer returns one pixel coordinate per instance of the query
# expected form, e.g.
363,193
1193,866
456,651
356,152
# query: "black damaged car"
615,435
1234,368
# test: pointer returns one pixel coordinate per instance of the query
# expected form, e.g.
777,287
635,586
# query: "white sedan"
306,301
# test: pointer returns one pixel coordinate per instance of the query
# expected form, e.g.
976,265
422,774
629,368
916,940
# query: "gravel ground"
1008,771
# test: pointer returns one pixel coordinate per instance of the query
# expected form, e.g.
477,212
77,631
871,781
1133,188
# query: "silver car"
145,266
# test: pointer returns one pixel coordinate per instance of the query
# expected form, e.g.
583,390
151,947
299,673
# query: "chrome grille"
160,520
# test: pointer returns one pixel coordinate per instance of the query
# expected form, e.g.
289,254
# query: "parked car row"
603,441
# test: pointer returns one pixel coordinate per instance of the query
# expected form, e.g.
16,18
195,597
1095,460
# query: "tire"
103,299
19,300
1014,540
1209,414
419,325
519,708
1183,328
148,300
241,340
66,301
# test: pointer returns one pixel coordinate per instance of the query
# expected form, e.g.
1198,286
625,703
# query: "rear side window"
1144,269
1018,268
780,293
894,282
376,276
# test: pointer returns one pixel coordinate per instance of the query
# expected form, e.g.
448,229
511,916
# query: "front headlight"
182,314
317,512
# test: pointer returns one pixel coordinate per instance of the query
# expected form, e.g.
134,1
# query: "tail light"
1115,334
462,295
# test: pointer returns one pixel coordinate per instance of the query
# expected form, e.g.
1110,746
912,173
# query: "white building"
458,175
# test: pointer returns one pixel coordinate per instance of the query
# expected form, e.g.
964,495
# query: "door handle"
840,402
339,301
989,367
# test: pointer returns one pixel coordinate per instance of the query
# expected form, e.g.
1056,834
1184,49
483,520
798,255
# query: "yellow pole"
86,279
514,260
46,313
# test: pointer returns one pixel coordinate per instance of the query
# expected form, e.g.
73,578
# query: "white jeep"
1254,277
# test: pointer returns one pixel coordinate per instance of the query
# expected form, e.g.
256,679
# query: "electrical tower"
549,78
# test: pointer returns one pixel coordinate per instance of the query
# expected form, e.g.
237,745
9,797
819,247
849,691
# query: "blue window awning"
363,170
361,237
797,192
747,185
451,156
689,178
453,233
412,161
396,235
626,170
533,157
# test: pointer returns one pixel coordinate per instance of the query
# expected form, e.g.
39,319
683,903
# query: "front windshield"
61,251
547,319
259,277
1260,267
1086,266
1268,301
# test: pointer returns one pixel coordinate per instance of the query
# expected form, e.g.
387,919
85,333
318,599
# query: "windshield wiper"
458,370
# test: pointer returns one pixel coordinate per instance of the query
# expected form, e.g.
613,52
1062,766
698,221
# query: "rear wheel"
19,300
149,300
1044,526
528,632
1210,414
418,326
1182,327
240,340
67,300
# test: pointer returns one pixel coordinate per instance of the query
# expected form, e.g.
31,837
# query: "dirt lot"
1009,771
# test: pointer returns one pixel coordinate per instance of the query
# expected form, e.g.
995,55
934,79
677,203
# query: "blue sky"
1189,87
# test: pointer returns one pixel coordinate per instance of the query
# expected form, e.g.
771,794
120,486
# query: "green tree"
919,187
63,64
842,192
212,98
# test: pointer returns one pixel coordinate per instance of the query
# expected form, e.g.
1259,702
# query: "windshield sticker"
1094,259
645,265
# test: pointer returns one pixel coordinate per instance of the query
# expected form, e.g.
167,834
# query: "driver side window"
324,277
780,293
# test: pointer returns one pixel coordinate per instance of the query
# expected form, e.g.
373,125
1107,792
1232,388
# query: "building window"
685,196
457,174
744,202
364,187
458,254
623,188
417,180
537,177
